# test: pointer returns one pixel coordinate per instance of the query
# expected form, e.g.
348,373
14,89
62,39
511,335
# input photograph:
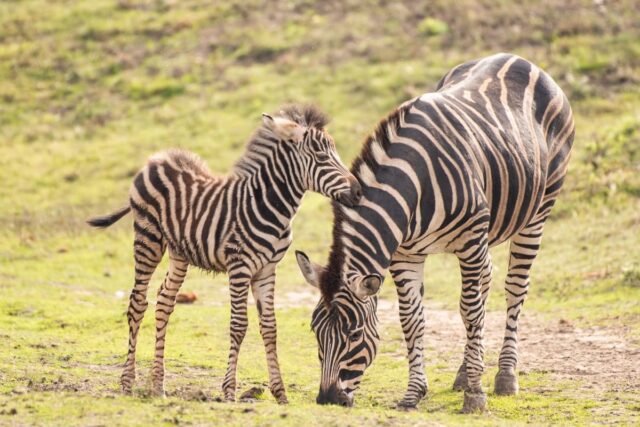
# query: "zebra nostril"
356,190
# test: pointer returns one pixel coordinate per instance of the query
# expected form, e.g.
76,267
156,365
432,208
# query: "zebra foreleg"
148,252
239,282
475,267
407,275
164,307
524,248
262,287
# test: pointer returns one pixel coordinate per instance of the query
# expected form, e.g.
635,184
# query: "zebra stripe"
474,164
239,224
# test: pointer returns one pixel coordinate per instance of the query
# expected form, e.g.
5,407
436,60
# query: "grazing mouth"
334,397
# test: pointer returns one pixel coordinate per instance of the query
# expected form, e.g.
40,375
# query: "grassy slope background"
89,89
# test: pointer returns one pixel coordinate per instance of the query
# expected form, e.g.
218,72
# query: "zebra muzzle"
334,396
351,197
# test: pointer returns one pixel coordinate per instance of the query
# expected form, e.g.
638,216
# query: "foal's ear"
284,129
267,120
310,270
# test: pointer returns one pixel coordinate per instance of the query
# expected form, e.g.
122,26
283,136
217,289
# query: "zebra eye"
322,157
355,336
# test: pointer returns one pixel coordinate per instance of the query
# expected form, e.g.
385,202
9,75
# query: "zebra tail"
107,220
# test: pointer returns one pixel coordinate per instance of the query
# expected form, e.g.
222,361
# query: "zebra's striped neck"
358,248
273,182
275,185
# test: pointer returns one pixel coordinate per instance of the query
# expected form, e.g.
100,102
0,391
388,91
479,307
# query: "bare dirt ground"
600,359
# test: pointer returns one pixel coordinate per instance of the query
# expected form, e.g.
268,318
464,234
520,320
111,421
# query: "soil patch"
599,358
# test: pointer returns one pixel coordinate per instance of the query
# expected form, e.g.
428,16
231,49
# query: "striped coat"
478,162
238,223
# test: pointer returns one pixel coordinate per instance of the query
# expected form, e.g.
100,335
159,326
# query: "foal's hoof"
506,382
474,402
126,386
126,382
460,384
407,405
282,400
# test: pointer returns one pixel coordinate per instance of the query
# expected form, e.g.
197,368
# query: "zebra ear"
267,120
310,270
284,129
369,285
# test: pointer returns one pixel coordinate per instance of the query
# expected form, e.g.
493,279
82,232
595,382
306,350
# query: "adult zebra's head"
346,330
321,169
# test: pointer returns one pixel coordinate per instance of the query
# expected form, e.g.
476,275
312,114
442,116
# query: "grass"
88,90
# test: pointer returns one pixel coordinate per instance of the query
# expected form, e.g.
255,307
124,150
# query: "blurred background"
90,89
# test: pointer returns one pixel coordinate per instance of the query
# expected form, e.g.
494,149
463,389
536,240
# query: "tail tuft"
107,220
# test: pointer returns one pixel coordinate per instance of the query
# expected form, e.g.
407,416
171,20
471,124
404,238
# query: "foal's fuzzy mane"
306,115
331,279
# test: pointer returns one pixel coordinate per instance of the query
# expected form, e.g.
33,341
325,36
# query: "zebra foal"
474,164
239,224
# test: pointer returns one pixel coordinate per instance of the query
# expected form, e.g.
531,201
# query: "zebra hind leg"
524,248
262,287
164,307
408,277
148,248
475,267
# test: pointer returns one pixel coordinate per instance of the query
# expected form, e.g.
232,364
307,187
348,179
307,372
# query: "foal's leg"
164,307
407,274
239,282
524,248
475,266
262,287
148,247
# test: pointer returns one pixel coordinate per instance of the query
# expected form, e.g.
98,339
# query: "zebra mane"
331,279
306,115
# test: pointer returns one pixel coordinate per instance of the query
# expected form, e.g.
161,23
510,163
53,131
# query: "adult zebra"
239,223
476,163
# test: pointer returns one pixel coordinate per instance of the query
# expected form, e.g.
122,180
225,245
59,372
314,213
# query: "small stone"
186,298
251,394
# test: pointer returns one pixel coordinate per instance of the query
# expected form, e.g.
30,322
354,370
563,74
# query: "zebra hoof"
282,400
506,383
460,384
126,385
474,402
406,405
412,398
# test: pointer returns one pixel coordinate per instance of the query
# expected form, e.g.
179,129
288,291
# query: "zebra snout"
356,190
334,396
352,196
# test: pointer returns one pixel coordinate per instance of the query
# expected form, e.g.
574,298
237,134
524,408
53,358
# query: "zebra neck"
274,192
362,245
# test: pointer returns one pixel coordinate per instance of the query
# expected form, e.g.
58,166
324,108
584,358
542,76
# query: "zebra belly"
513,202
195,256
505,216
